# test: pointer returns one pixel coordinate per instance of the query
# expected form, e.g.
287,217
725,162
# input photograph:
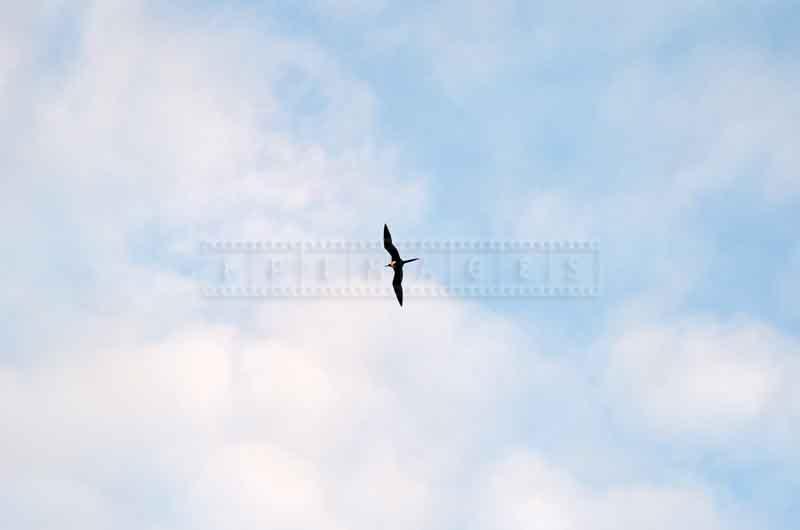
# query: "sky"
132,131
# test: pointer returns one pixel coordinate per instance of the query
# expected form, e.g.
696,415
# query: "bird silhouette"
396,264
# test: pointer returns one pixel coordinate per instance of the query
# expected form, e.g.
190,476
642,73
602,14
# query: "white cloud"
152,119
704,381
42,502
315,414
524,491
157,119
251,486
388,480
295,428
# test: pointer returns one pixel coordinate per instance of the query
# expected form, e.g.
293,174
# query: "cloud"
42,502
524,490
256,486
134,403
158,119
280,427
131,393
703,380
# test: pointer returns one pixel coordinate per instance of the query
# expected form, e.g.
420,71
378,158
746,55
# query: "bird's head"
391,264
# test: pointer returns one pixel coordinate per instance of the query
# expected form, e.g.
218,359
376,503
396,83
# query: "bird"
396,264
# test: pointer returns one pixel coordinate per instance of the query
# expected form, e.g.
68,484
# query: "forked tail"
409,260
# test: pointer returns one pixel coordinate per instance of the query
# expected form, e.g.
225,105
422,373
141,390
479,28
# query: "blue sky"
666,132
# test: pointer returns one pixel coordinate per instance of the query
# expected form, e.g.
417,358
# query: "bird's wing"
398,276
398,290
397,283
388,245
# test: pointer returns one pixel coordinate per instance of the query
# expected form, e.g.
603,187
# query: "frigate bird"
396,263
